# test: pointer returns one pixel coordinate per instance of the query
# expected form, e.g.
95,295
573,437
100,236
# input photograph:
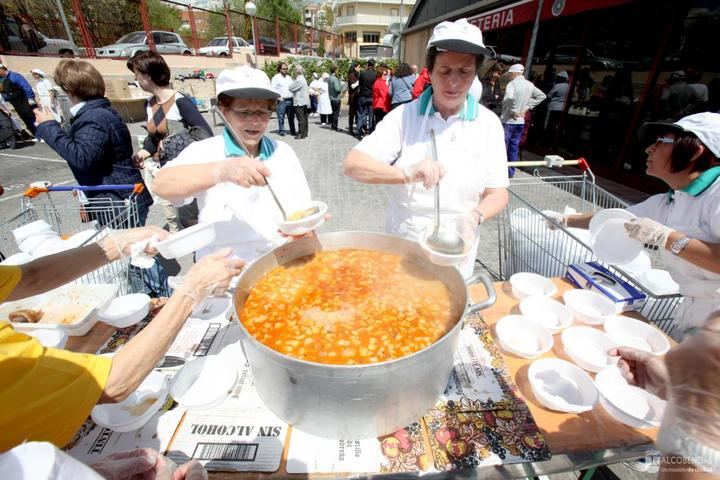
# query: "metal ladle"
445,241
306,212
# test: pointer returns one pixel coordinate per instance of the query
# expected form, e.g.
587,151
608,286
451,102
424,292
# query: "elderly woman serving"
228,173
469,137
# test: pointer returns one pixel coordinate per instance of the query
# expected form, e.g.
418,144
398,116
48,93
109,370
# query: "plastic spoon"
447,242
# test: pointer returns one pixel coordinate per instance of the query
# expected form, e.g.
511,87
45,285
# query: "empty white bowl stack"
37,239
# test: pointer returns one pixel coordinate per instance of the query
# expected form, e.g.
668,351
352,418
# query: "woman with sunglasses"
684,223
227,173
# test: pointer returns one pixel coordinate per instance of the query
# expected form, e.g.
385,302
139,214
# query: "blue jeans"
365,115
513,133
284,107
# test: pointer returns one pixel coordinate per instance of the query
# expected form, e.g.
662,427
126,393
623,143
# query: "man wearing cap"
520,96
227,173
280,83
470,147
19,93
683,224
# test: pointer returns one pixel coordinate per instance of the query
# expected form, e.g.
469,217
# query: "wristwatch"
679,245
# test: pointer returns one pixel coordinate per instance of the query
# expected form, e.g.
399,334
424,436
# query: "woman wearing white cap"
228,177
469,139
684,224
46,92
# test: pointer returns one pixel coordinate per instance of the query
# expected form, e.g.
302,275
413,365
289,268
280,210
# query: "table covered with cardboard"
487,420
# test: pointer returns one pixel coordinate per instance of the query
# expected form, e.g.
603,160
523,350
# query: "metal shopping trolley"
79,221
530,242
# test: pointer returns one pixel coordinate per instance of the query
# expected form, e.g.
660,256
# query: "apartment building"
363,24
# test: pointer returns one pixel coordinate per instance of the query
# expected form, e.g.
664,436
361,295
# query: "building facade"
628,61
364,24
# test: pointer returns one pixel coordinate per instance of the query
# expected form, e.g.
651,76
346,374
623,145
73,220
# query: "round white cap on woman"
245,82
458,36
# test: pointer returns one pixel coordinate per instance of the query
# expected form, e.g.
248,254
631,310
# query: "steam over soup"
349,306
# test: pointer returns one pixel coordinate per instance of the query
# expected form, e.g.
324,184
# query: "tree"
289,10
327,17
163,15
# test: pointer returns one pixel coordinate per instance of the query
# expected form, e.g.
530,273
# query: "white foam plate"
602,216
587,347
136,410
561,386
49,337
522,337
126,310
589,307
548,312
612,245
204,383
660,282
634,333
187,240
626,403
526,284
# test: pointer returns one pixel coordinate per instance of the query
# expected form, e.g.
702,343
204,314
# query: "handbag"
178,138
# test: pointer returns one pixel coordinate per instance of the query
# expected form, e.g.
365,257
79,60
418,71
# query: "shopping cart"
530,242
80,221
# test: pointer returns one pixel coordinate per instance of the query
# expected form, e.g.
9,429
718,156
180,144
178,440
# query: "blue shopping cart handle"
94,188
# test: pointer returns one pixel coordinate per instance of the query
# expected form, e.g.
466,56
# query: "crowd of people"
399,116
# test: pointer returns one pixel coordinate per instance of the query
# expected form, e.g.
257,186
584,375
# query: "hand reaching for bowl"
147,463
211,275
117,243
648,231
428,171
642,369
244,171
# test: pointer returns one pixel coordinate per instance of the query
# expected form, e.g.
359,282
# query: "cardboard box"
595,277
117,89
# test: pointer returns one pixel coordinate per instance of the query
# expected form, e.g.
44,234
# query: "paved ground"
354,206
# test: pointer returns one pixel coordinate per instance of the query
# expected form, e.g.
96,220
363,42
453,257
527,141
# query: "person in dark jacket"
365,99
492,93
98,149
353,81
20,94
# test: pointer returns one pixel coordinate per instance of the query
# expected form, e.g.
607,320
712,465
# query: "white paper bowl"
525,284
522,337
49,337
307,224
443,259
660,282
598,219
561,386
626,403
587,347
51,246
612,245
126,310
589,307
549,313
17,259
136,410
187,241
204,383
634,333
31,229
31,243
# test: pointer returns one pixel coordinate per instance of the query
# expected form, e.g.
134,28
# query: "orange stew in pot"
348,306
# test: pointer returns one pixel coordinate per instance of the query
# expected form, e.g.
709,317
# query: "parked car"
218,47
565,55
128,45
501,57
268,46
53,46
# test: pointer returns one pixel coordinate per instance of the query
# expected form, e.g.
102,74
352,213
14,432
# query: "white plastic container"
589,307
526,284
637,334
30,244
204,383
599,218
49,337
522,337
588,347
19,258
611,244
443,259
187,241
31,229
660,282
626,403
136,410
561,386
306,224
126,310
549,313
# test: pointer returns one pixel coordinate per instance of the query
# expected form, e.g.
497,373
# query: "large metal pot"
354,401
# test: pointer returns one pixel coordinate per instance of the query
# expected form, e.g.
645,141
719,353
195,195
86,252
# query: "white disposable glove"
642,369
428,171
210,276
117,243
126,465
555,219
244,171
691,425
648,231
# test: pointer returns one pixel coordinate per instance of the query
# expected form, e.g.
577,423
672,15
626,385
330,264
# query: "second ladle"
305,212
445,241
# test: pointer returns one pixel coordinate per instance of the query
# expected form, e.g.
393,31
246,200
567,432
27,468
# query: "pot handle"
488,284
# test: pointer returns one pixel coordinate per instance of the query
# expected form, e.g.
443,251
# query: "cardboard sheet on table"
564,432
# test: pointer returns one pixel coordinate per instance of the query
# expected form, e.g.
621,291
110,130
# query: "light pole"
251,9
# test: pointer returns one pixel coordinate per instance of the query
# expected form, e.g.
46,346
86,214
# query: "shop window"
371,37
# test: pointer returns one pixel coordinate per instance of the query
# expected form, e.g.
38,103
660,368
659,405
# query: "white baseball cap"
564,75
245,82
705,126
458,36
39,72
516,68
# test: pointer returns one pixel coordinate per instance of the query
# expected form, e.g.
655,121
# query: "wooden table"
576,441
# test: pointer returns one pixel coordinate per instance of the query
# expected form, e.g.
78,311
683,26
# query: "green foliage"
163,16
328,18
320,66
289,10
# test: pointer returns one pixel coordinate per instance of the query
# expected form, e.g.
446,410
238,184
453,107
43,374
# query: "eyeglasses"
248,114
667,140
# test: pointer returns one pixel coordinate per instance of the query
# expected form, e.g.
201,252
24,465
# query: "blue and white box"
595,277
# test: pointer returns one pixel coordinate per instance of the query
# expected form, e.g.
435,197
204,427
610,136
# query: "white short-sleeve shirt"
256,233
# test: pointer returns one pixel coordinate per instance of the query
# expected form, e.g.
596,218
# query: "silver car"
128,45
53,46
